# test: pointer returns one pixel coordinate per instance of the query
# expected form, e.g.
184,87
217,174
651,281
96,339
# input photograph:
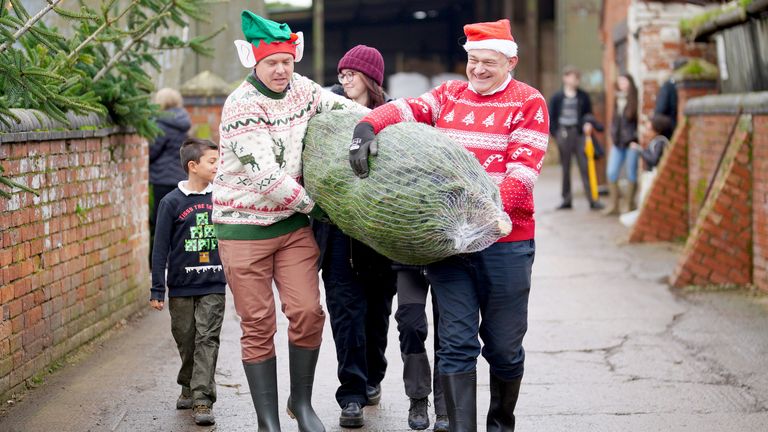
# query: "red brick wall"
74,261
760,201
664,213
708,136
718,250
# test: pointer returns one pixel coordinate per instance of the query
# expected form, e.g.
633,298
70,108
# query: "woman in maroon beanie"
359,282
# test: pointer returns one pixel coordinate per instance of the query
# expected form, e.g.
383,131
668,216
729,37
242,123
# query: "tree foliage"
101,68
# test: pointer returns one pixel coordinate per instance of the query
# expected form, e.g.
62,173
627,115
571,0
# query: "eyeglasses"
349,76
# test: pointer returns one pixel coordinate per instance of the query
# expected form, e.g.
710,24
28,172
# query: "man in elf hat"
505,124
260,213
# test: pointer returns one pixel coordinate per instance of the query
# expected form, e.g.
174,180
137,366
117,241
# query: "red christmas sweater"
507,131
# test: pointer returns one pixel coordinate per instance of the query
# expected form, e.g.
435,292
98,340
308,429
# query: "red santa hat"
495,36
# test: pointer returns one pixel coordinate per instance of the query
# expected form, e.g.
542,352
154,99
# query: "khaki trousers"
291,261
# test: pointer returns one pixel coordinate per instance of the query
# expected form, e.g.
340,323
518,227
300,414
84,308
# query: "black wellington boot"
461,400
262,380
302,366
501,413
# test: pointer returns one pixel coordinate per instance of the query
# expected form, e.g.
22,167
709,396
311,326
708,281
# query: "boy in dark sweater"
186,245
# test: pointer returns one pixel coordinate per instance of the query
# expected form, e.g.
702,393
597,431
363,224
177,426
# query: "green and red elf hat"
264,38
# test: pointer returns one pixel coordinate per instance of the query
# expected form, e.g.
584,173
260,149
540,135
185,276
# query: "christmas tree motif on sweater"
539,116
449,117
488,122
518,118
469,119
508,121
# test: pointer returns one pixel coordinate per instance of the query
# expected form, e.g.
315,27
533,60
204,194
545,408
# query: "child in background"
662,127
186,245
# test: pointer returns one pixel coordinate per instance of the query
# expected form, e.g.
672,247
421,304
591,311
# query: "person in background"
186,246
661,126
413,327
623,135
666,98
165,171
569,107
504,123
260,213
359,282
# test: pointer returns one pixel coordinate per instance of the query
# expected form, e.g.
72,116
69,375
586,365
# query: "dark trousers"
570,142
412,325
359,286
492,284
195,325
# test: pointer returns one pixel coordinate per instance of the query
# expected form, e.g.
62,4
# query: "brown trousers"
250,266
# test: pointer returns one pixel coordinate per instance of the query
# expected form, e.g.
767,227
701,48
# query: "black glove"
363,144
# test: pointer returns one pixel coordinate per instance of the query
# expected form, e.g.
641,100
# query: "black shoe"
418,419
351,416
564,206
203,415
374,394
596,205
441,423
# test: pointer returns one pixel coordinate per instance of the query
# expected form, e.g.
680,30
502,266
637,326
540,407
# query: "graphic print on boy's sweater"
202,238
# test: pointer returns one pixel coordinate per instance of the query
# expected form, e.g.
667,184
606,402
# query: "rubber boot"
262,381
613,200
302,369
632,196
501,413
461,400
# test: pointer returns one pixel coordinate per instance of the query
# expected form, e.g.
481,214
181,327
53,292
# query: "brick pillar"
718,249
204,97
664,213
760,201
688,89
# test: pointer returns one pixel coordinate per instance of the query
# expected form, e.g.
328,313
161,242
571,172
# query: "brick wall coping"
750,103
204,100
37,126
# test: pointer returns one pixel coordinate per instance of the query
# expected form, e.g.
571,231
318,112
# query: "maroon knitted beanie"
364,59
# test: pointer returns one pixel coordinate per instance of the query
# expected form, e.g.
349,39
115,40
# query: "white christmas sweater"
257,192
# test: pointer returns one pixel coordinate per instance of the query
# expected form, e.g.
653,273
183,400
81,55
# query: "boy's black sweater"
186,244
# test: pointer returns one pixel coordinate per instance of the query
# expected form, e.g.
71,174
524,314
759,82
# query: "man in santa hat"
260,213
505,124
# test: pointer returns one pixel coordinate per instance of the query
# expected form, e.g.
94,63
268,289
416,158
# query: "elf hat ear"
245,53
299,47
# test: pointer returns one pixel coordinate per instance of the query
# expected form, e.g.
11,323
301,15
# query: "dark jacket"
164,160
666,101
556,105
185,242
652,155
623,130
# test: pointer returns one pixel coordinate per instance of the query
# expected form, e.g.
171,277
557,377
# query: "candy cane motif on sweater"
492,158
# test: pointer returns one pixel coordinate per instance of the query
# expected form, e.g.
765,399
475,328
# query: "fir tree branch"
29,24
147,27
107,22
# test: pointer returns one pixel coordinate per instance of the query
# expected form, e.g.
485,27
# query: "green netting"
426,198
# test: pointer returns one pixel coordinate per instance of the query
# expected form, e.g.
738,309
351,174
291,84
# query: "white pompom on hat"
496,35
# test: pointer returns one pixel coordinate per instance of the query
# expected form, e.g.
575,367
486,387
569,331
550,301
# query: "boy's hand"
157,304
635,146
